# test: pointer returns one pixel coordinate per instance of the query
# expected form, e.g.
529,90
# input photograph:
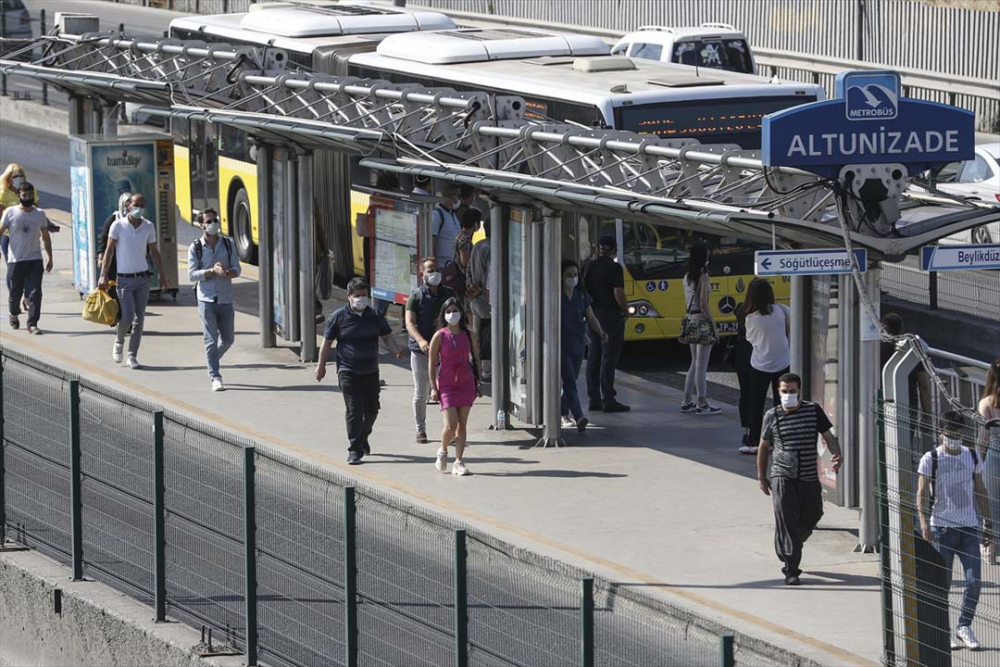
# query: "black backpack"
934,469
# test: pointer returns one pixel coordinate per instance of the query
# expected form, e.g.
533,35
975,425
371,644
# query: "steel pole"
3,469
868,387
307,260
499,315
800,329
77,119
847,383
531,249
45,85
75,480
350,578
291,246
109,116
550,325
461,602
265,262
587,623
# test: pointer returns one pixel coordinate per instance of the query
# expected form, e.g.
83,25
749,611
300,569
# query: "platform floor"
654,498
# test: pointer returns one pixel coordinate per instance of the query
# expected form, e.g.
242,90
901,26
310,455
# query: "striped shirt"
797,432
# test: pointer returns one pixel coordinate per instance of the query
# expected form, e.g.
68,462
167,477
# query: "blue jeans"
217,321
570,392
964,543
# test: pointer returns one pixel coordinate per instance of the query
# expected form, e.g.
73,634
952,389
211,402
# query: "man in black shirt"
604,280
357,328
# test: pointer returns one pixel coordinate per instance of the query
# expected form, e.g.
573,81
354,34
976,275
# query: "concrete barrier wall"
97,626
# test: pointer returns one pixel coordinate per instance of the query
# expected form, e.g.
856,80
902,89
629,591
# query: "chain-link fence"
285,562
974,293
939,575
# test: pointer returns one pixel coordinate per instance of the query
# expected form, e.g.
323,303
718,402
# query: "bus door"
204,156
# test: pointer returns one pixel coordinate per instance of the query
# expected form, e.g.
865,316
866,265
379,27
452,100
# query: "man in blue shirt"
212,265
357,328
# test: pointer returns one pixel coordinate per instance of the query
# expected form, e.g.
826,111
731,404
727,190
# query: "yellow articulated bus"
215,165
567,78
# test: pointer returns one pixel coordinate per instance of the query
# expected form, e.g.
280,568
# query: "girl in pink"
455,381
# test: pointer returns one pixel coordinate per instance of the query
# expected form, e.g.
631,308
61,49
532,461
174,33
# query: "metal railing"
971,292
289,564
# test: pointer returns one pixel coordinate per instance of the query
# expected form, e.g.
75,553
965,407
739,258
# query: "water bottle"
501,420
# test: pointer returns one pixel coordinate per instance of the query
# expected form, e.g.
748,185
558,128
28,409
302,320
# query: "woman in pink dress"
454,381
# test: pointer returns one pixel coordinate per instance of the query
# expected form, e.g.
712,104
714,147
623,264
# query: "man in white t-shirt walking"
28,228
130,239
952,498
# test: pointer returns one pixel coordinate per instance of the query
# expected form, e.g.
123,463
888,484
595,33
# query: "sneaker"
581,424
422,438
792,580
353,458
217,385
458,468
441,463
967,637
615,406
366,448
133,363
566,422
116,352
708,410
956,643
689,406
595,406
32,329
746,449
15,323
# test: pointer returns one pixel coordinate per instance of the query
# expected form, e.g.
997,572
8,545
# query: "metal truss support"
307,260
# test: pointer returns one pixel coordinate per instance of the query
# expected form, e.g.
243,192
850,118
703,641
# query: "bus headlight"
642,309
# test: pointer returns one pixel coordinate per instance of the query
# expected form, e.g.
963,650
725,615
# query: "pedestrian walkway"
653,498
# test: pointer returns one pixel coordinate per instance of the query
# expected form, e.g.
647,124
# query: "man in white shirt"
130,239
28,228
445,225
952,498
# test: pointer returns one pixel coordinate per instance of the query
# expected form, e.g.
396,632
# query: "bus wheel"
242,230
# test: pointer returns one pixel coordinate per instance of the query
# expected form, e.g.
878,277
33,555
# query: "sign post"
808,262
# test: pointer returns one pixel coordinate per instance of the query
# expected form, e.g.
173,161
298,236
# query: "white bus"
215,164
573,78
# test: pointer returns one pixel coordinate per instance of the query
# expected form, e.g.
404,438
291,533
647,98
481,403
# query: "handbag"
100,308
697,331
453,277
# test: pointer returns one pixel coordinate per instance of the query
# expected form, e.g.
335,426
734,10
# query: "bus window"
179,129
234,143
732,55
653,251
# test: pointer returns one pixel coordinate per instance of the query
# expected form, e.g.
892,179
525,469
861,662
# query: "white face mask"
951,444
359,302
212,228
455,203
17,180
433,278
137,212
789,401
452,318
571,282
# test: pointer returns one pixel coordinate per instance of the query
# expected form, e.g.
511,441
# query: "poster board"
395,250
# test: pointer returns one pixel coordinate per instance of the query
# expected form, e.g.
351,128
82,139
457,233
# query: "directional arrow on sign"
766,263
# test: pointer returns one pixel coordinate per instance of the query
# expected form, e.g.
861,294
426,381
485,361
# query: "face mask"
951,444
212,228
571,282
137,212
433,278
452,318
27,200
17,180
455,203
359,302
789,401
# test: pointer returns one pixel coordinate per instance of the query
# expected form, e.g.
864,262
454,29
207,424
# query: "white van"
713,45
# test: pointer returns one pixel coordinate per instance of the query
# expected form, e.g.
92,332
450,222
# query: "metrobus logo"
125,160
871,96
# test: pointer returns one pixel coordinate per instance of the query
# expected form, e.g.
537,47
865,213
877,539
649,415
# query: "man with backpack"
212,265
951,499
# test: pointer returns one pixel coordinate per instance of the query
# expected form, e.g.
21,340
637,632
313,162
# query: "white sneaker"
442,460
217,385
955,642
708,410
746,449
688,406
116,352
968,637
133,363
458,468
567,422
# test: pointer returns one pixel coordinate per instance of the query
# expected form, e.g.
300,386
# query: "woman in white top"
767,324
989,446
696,291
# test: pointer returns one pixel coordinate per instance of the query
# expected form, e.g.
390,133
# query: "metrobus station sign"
868,122
959,257
807,262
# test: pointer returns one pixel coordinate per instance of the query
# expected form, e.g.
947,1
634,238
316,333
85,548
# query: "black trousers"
25,280
361,400
484,333
745,378
798,507
602,358
759,382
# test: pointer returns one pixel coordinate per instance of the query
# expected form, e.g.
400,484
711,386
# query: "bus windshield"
736,121
728,54
652,252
